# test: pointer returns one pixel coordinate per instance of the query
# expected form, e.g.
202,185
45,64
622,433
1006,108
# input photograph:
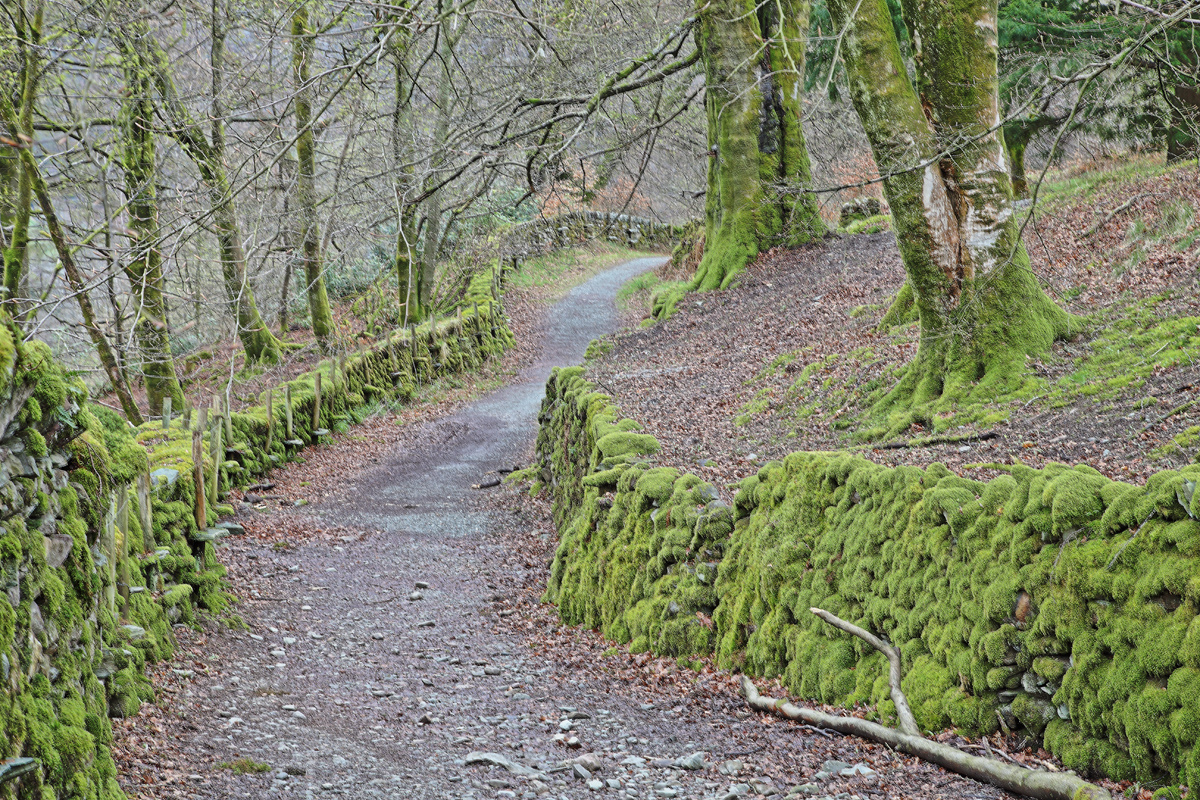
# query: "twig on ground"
1108,217
1168,415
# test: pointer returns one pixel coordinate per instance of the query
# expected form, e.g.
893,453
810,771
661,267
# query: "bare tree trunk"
259,343
409,270
108,359
288,234
758,170
257,339
144,266
980,307
28,27
303,51
441,130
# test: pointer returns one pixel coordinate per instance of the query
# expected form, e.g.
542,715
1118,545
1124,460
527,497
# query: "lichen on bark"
940,149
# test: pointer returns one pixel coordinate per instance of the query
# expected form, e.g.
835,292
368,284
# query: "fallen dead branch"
1123,207
1030,783
934,441
908,723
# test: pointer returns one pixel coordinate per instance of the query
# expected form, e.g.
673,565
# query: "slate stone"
164,476
58,549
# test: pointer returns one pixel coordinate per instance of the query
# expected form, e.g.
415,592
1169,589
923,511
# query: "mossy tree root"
1011,778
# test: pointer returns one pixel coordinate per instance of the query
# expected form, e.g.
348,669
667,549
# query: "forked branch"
1012,778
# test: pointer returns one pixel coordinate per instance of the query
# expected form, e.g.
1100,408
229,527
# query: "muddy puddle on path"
374,664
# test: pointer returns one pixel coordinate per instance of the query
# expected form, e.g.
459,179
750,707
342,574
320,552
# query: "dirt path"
380,655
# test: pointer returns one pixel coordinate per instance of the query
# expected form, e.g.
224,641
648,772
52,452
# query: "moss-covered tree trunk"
758,170
1183,135
143,268
27,27
980,307
304,42
257,340
434,232
1016,139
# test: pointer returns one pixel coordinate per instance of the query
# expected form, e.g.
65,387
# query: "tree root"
1016,779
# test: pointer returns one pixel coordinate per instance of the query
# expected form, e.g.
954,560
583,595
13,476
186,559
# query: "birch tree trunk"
303,51
144,265
758,170
946,178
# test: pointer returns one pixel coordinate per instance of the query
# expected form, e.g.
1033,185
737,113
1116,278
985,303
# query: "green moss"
76,750
626,444
245,766
1057,576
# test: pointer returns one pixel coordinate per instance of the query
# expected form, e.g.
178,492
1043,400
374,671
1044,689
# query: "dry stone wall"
544,235
1054,601
103,548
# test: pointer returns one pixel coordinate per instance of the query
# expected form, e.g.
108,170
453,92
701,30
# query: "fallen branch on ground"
933,441
1030,783
1123,207
908,723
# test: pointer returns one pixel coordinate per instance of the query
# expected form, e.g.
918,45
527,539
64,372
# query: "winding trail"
373,664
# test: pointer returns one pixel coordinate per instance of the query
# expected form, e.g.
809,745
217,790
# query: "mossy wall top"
1054,600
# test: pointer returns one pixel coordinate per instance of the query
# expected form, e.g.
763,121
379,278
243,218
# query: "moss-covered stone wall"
90,596
1051,600
565,230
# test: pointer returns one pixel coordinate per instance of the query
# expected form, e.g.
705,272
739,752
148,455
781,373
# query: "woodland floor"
718,383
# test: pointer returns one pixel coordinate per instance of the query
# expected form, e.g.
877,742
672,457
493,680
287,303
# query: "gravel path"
384,652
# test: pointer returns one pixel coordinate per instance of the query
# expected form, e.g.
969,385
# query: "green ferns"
1054,600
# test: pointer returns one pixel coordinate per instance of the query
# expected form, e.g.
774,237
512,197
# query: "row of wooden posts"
208,486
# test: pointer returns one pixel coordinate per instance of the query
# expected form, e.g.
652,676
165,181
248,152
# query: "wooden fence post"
198,473
187,414
270,421
316,410
166,413
123,549
144,516
287,405
217,451
228,419
109,547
